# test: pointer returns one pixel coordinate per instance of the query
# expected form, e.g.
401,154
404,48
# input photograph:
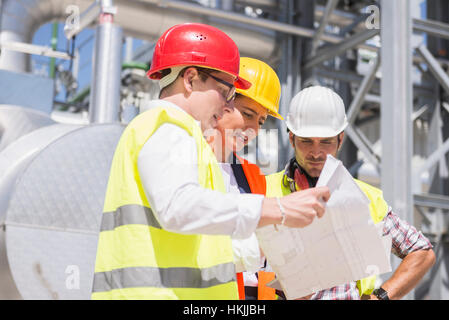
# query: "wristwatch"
381,294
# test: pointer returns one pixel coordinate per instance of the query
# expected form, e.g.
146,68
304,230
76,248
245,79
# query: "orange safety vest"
258,185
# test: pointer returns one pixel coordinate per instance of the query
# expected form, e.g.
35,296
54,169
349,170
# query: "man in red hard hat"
167,222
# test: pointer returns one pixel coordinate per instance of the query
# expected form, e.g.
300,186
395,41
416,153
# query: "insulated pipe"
141,19
396,109
148,19
104,104
20,19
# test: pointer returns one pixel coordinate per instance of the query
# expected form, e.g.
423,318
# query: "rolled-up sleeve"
405,237
168,169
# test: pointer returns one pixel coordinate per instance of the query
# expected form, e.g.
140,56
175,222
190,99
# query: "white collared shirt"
168,168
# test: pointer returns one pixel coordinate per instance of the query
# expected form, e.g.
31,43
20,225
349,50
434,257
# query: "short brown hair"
166,72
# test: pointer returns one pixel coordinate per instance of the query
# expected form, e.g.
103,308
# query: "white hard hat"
316,112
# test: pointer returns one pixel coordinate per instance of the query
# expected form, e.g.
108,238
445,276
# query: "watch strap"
381,294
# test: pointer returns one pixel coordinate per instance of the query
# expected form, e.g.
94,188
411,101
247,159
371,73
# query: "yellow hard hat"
266,87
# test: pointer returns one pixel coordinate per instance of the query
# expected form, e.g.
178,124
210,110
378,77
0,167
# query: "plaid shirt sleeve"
405,237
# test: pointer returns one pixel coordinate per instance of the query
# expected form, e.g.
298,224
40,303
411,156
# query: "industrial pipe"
104,103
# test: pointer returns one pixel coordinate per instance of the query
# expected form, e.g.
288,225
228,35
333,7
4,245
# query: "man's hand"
300,207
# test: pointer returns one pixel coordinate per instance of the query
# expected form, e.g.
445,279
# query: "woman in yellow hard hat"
240,125
237,127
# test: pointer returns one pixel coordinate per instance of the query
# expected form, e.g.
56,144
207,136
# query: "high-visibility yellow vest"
136,257
378,210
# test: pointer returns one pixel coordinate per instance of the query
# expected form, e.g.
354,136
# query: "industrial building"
70,82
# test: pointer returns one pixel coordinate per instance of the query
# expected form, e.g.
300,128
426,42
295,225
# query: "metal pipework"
263,23
104,103
330,6
396,108
396,105
140,19
396,126
332,51
443,79
431,27
85,19
23,47
434,67
355,135
434,158
364,88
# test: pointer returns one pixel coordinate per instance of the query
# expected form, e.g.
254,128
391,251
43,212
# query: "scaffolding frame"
398,95
309,53
305,46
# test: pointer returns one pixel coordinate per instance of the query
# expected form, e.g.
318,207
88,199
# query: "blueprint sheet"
342,246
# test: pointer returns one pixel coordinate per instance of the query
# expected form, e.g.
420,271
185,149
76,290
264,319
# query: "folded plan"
344,245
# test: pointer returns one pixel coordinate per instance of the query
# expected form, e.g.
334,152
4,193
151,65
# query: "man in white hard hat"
316,122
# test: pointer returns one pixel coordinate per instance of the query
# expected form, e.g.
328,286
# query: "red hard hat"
195,44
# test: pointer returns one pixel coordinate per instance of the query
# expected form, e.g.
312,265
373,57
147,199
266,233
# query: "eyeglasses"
231,93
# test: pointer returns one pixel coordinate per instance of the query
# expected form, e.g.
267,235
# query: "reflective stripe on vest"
164,278
136,257
129,214
378,210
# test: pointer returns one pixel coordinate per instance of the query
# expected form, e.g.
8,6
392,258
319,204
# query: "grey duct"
141,19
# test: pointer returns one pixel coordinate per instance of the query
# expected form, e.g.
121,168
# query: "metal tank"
13,160
52,187
16,121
